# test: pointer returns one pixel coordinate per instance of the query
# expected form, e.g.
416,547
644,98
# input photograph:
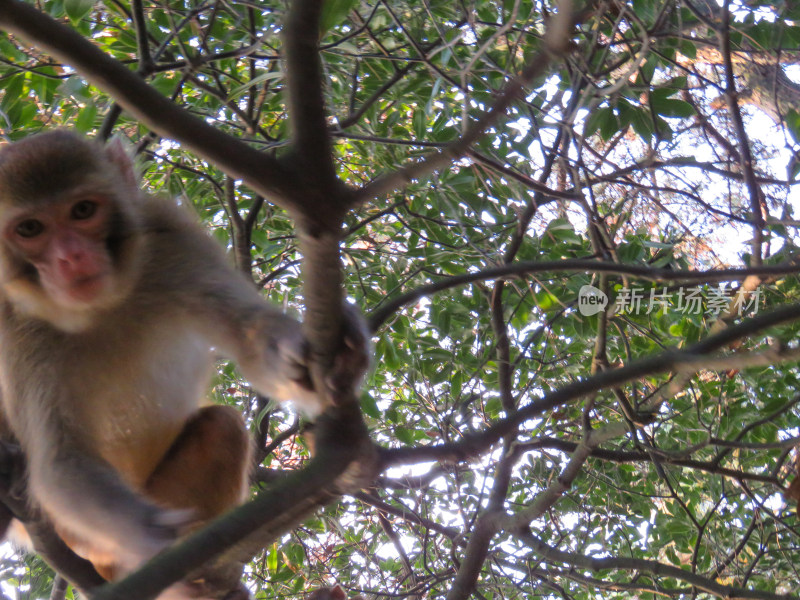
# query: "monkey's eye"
83,209
29,228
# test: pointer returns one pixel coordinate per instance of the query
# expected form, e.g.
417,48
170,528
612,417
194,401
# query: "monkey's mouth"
87,288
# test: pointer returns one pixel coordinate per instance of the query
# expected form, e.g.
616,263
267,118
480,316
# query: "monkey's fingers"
289,347
353,360
168,524
295,358
161,527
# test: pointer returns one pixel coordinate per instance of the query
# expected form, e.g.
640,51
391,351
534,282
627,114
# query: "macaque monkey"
113,307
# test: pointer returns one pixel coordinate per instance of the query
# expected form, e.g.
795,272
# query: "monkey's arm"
91,500
271,351
225,307
273,355
268,346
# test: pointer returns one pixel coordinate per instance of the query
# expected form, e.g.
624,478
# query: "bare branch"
555,48
758,207
649,566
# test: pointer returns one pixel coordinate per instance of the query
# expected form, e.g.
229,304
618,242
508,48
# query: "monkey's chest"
137,403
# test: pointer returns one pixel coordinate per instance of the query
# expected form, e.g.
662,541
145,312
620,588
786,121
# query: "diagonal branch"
518,269
261,172
556,46
686,360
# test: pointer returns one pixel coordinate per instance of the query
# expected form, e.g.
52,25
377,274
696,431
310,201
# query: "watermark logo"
688,301
591,300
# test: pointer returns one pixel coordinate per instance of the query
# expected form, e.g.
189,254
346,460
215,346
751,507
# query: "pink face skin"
66,244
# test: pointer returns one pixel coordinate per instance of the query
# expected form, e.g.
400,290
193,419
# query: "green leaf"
334,12
792,120
688,49
674,108
642,123
370,406
12,92
600,119
241,89
405,435
609,127
272,558
78,9
86,118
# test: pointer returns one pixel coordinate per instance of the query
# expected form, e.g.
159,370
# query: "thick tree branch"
261,172
326,197
311,139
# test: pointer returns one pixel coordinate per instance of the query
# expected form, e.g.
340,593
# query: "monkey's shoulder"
162,214
178,252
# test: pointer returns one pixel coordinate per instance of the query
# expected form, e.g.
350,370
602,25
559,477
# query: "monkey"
114,305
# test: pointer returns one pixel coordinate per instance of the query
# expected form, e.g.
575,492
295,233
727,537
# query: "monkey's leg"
207,467
205,470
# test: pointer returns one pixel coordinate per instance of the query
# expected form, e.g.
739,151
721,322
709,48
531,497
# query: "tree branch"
259,171
686,360
758,208
650,566
311,139
556,44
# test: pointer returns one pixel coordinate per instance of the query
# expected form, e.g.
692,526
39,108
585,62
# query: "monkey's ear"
118,152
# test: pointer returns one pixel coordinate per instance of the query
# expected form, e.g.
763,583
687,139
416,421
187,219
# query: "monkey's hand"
351,362
285,372
353,359
294,355
279,366
157,529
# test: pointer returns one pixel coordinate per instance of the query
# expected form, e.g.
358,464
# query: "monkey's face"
69,227
62,247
